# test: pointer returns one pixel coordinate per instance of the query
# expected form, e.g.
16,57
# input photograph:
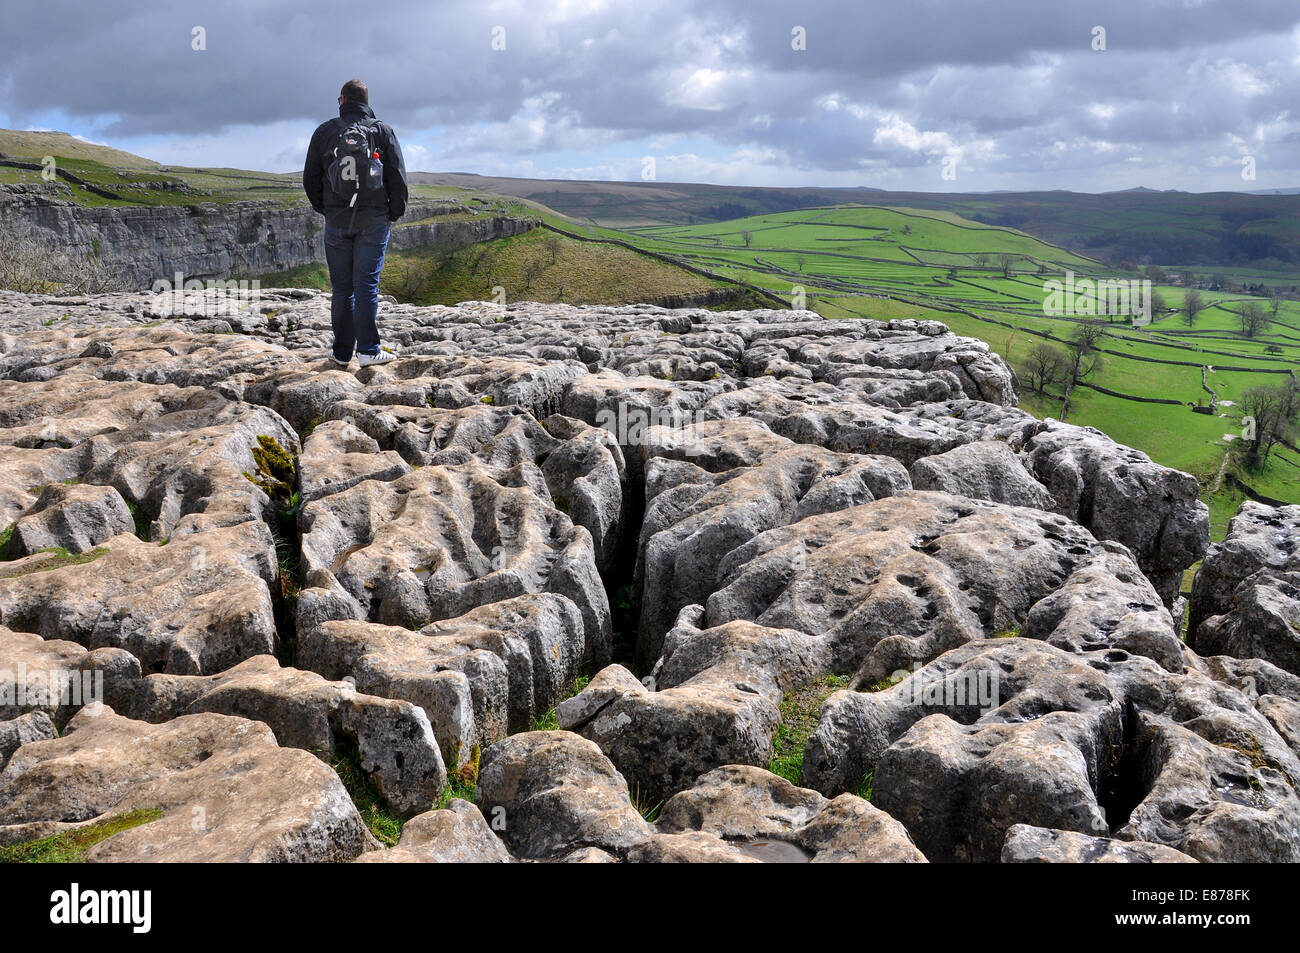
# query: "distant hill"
22,144
1208,229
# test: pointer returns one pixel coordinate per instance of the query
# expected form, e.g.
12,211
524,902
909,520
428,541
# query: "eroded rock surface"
1246,598
226,792
1103,743
268,559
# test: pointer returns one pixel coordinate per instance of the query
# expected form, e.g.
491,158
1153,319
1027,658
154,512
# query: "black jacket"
372,207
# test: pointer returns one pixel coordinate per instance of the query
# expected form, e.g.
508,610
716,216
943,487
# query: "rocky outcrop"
651,528
393,740
1101,743
556,793
1037,845
457,834
221,788
1246,597
766,816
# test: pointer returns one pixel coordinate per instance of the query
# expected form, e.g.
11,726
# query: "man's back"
388,204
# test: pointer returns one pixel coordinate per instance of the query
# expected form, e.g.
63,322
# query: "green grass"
33,146
141,520
799,711
275,471
70,847
58,558
867,788
462,782
547,721
535,266
383,823
648,809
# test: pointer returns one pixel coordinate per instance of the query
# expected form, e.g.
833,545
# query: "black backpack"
354,164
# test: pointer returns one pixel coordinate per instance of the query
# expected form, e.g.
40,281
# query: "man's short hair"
355,91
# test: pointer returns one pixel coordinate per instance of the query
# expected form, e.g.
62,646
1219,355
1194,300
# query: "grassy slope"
36,145
574,272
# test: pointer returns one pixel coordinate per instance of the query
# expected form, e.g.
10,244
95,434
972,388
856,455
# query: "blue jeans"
355,258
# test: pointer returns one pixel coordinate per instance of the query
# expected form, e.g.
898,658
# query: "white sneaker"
383,357
340,363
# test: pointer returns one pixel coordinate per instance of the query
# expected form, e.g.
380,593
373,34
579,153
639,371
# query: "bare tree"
1046,365
532,271
1087,337
1005,262
1089,365
1254,318
553,246
1084,344
1158,304
747,237
477,255
1273,410
1193,305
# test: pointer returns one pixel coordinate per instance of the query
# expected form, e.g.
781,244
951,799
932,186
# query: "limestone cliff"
222,241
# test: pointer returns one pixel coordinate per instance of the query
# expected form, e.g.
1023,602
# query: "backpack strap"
372,135
339,126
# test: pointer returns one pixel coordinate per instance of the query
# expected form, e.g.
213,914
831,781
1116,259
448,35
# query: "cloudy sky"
934,95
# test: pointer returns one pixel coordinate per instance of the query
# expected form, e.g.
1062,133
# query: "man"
355,176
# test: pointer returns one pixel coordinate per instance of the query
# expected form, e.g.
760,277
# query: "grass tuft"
70,847
58,559
462,782
275,472
383,823
800,709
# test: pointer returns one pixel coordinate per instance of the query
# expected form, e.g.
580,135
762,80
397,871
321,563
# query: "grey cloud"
1003,80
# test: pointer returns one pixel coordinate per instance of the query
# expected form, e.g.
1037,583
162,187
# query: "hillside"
1207,231
30,144
538,265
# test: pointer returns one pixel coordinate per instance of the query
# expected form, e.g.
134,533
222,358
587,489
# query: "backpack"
354,163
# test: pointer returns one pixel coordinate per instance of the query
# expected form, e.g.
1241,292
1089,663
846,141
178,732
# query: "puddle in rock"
775,851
